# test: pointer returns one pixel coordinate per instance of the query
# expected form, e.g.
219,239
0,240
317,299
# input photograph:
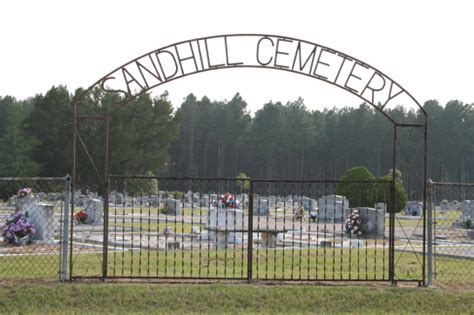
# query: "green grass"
228,299
211,263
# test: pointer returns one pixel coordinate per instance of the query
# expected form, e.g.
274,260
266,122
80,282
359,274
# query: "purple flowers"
17,227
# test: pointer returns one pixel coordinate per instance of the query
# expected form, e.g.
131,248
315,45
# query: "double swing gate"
243,229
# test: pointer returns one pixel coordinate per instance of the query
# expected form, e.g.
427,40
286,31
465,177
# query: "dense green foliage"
366,190
221,138
359,193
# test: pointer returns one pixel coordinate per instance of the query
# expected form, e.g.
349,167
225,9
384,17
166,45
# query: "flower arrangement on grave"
23,197
353,223
25,192
18,230
80,216
228,201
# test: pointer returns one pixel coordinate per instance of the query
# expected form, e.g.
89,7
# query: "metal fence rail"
452,209
31,224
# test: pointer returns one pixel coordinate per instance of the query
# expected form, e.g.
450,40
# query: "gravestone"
221,224
94,209
372,220
119,198
309,204
204,202
444,205
260,206
23,204
173,206
42,216
455,205
332,208
467,208
414,208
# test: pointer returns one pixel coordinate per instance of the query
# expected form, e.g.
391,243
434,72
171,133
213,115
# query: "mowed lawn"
78,298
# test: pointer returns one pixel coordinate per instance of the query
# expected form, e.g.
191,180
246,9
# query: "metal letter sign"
256,51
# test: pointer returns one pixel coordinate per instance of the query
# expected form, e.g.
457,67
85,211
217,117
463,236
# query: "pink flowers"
24,192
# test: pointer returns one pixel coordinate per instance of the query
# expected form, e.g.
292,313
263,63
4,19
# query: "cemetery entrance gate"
223,228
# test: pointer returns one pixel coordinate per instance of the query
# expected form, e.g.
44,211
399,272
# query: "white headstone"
94,209
467,208
414,208
42,216
372,220
173,206
332,208
260,206
444,205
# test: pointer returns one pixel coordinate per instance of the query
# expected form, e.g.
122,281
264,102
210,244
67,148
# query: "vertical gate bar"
115,227
392,212
65,228
106,231
250,235
106,197
73,184
425,153
430,231
183,185
266,229
227,229
140,244
123,223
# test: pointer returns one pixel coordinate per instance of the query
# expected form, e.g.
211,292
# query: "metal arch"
102,80
129,96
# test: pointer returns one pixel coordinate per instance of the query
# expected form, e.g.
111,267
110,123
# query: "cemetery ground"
229,298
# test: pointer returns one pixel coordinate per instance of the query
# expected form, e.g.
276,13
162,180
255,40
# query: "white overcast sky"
426,46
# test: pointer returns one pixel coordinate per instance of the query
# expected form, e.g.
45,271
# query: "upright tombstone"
222,222
414,208
455,205
372,220
467,208
309,204
444,205
260,206
204,202
42,216
94,209
332,208
23,204
173,206
119,198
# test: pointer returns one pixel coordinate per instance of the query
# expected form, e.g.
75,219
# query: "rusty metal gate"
240,229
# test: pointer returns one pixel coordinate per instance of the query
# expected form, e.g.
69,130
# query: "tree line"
205,138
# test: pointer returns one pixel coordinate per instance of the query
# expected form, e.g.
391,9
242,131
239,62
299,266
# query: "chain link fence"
31,217
452,209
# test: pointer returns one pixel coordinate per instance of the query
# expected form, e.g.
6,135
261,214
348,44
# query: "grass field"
228,299
272,264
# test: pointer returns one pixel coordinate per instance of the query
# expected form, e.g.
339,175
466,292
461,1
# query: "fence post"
250,235
429,231
65,236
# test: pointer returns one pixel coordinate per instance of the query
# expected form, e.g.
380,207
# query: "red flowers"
81,216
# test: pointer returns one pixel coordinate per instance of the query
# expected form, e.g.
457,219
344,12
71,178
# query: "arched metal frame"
202,61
